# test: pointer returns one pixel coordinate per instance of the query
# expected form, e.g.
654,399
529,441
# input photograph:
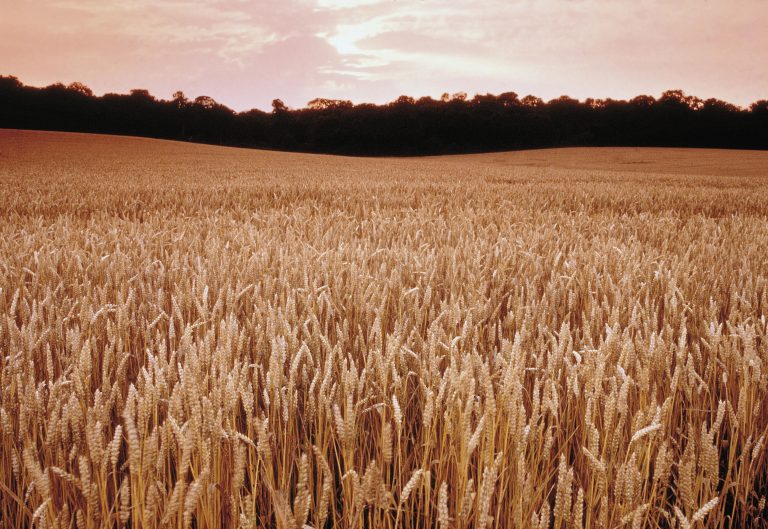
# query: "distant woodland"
454,123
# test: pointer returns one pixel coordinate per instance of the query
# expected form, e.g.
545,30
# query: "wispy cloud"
245,53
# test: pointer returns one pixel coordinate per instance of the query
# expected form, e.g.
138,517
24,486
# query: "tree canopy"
455,123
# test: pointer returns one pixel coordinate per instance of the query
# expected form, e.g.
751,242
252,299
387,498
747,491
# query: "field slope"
199,336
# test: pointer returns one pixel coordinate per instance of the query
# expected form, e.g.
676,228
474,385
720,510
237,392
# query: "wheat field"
196,336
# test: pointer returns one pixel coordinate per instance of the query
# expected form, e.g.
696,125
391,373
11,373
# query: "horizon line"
452,96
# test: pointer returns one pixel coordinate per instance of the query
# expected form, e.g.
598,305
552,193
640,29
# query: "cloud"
245,53
582,47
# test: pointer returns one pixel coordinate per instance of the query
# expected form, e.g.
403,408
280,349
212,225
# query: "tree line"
407,126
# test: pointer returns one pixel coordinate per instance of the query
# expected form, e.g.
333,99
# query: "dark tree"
80,88
406,126
179,99
278,107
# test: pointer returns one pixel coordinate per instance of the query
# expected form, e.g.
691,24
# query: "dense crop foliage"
204,337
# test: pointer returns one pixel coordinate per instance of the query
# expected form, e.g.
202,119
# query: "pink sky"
245,53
